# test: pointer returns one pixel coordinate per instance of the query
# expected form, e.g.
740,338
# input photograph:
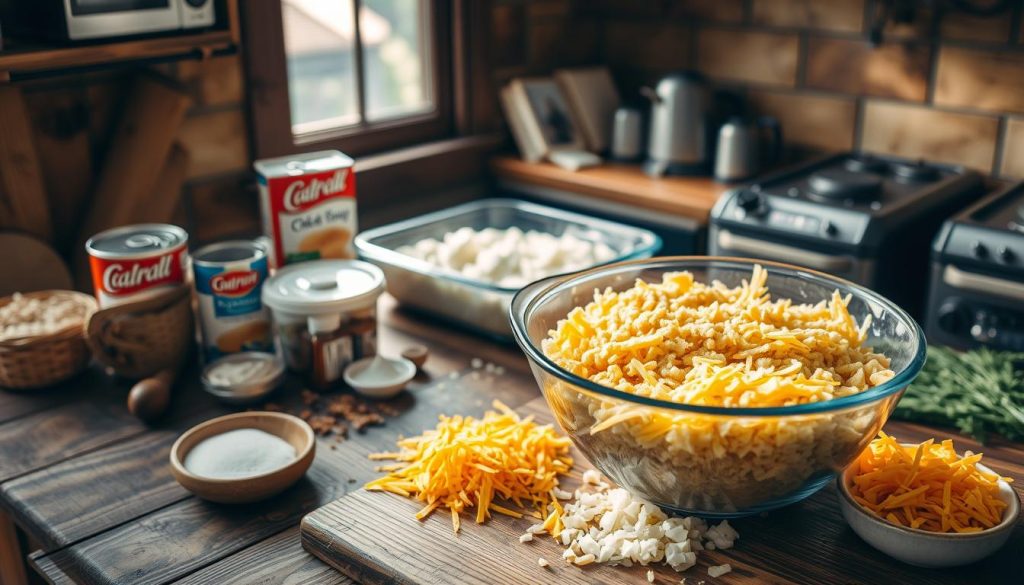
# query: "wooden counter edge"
691,197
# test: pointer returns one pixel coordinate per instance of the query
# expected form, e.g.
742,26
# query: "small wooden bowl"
247,489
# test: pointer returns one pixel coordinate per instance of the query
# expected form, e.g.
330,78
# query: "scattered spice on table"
467,463
927,486
979,392
333,415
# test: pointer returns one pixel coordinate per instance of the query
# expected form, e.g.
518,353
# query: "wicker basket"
43,360
139,339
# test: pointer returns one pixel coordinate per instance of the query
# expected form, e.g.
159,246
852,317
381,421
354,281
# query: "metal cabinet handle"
980,283
768,250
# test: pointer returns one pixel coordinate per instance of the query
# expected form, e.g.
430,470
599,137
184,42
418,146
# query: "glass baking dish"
476,304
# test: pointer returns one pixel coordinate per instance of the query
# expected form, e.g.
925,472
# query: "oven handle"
979,283
768,250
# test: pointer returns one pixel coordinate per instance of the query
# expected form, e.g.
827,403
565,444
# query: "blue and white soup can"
229,280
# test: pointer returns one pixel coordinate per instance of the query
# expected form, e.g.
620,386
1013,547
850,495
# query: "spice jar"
325,316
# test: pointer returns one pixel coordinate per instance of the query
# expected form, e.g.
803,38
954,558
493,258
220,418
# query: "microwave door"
91,19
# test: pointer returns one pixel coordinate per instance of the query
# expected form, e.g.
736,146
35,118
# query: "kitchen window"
362,76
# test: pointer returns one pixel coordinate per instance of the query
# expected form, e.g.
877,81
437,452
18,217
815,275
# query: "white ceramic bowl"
921,547
391,378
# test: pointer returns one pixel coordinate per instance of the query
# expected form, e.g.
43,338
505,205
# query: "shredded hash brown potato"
465,462
927,486
708,344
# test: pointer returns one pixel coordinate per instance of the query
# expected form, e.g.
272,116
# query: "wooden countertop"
691,197
91,486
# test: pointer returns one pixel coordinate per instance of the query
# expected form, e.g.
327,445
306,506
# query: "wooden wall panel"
23,202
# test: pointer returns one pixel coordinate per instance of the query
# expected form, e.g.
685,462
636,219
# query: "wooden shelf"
29,62
691,197
40,60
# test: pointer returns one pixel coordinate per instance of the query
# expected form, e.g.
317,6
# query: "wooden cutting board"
374,538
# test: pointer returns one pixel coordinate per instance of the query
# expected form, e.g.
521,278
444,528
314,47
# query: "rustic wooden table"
91,489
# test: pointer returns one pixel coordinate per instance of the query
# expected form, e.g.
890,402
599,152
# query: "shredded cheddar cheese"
711,344
707,344
466,463
927,486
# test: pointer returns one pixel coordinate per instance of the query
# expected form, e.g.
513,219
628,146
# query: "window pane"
396,57
319,40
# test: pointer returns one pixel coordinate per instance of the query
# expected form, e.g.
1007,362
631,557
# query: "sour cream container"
324,316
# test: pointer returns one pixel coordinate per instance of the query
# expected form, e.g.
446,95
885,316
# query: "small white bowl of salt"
243,457
244,377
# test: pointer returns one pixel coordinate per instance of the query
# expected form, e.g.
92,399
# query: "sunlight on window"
320,43
397,83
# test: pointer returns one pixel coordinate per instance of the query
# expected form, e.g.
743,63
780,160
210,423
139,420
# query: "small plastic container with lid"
325,316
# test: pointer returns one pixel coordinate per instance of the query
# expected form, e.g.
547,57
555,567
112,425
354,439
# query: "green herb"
979,392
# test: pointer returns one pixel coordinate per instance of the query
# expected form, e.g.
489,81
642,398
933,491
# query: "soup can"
229,280
135,262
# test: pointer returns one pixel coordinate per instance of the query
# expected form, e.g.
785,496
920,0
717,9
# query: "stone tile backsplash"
949,88
918,131
1013,149
757,57
896,69
983,79
810,121
844,15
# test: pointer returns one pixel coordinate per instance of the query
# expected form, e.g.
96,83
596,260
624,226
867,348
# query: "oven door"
93,19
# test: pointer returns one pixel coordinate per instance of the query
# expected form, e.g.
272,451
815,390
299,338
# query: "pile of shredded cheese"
466,463
927,486
708,344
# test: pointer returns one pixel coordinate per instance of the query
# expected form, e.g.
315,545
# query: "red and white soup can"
134,262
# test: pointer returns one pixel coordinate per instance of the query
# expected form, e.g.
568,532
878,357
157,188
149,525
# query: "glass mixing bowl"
717,461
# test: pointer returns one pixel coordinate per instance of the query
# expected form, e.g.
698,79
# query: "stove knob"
979,250
1006,255
984,329
751,203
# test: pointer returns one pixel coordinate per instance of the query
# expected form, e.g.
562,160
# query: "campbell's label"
235,284
119,280
302,194
309,215
232,317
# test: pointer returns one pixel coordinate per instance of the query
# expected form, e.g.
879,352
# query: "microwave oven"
81,20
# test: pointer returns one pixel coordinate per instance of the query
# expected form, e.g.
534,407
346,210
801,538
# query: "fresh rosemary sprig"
979,391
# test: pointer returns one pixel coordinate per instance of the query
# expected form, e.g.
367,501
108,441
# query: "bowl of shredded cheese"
719,387
925,504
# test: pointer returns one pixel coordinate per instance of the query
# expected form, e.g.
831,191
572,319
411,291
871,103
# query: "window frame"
269,103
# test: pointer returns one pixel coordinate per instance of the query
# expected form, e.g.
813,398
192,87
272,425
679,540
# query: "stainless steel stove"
869,219
977,282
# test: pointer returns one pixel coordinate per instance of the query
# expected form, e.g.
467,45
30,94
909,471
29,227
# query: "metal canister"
135,262
627,133
229,280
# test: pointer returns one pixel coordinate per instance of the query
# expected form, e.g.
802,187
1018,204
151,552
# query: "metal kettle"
741,152
678,141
